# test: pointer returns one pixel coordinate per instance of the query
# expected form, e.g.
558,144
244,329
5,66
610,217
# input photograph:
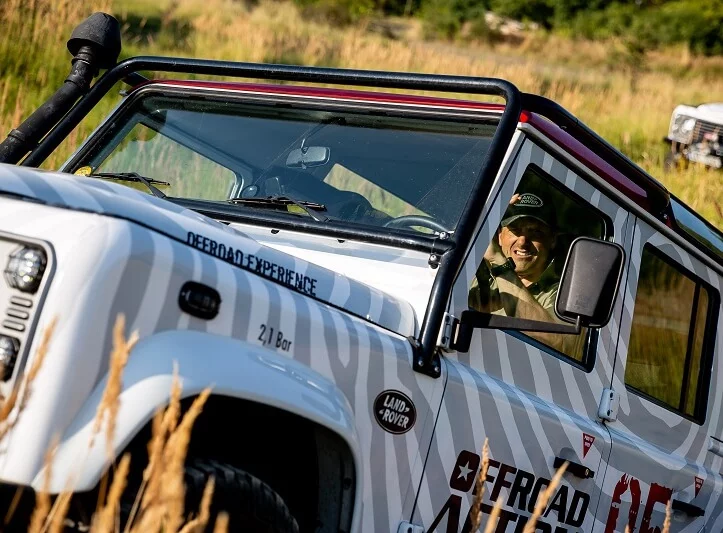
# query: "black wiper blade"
134,176
275,201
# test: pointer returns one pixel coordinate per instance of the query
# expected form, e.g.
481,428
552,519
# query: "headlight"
687,126
681,128
25,268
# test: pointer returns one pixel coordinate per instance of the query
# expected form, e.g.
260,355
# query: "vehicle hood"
710,112
208,236
716,108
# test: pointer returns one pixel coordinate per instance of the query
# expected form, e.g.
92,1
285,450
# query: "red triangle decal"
587,441
698,484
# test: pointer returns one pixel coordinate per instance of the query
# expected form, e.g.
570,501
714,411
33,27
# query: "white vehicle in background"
696,134
319,257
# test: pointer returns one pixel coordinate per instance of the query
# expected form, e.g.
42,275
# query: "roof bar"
127,69
659,195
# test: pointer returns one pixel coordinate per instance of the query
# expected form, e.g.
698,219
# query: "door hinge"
609,404
408,527
448,332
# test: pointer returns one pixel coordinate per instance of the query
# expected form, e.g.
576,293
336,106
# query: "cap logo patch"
530,200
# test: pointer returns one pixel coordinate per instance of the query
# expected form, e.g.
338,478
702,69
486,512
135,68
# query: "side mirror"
589,282
585,297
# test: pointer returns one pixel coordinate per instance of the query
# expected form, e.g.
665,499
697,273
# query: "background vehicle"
696,134
321,286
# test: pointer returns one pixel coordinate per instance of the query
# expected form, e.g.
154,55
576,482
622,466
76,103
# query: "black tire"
252,505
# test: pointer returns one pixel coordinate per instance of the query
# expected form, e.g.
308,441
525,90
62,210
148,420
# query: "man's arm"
517,300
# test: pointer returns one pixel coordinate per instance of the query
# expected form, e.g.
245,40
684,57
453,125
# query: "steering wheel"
409,221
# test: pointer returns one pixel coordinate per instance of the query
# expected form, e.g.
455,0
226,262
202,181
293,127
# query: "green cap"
531,205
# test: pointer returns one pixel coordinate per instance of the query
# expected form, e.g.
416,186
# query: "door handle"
576,469
687,508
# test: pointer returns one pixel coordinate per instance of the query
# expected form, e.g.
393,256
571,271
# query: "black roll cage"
425,354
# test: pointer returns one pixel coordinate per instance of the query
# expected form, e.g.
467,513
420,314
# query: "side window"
668,344
521,270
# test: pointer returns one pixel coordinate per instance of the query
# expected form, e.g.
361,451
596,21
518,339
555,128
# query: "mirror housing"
308,156
588,286
589,282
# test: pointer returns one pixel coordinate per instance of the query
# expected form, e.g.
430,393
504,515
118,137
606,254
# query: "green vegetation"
648,23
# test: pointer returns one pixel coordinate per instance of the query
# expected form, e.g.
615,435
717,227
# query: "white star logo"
464,471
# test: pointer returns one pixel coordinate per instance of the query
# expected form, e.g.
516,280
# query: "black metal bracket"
471,320
431,368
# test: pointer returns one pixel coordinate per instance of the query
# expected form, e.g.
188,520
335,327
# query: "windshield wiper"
275,201
133,176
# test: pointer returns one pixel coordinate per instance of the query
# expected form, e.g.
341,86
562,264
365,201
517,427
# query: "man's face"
529,243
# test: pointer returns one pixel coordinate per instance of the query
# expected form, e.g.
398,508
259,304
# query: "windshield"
390,169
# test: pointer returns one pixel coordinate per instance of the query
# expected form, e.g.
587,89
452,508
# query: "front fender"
229,366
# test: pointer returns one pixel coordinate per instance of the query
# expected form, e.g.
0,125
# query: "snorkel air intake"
95,44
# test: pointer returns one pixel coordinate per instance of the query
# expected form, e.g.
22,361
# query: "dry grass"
629,106
159,504
476,512
542,500
110,402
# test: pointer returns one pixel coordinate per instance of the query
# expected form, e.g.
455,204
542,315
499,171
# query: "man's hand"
494,254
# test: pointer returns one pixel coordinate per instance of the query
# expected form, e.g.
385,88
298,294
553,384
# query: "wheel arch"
246,380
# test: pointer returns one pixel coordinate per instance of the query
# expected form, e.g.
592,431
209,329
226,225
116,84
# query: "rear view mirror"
308,156
590,281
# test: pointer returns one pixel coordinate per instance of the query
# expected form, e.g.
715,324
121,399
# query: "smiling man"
517,277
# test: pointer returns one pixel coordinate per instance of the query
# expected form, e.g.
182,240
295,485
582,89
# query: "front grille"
702,128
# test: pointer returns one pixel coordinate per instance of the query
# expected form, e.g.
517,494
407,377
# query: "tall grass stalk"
162,508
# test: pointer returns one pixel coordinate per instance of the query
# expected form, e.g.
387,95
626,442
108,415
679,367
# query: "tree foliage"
649,23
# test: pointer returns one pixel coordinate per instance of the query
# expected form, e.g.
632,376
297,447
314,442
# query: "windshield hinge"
408,527
609,403
448,332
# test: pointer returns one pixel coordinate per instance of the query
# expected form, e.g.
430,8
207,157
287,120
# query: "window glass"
697,352
154,155
344,179
540,222
362,166
667,336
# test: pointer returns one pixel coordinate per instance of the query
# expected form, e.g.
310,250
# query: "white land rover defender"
373,283
696,134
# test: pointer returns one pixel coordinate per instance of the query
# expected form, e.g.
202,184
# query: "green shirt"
544,290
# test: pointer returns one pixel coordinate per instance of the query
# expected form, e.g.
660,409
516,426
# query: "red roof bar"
590,159
337,94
